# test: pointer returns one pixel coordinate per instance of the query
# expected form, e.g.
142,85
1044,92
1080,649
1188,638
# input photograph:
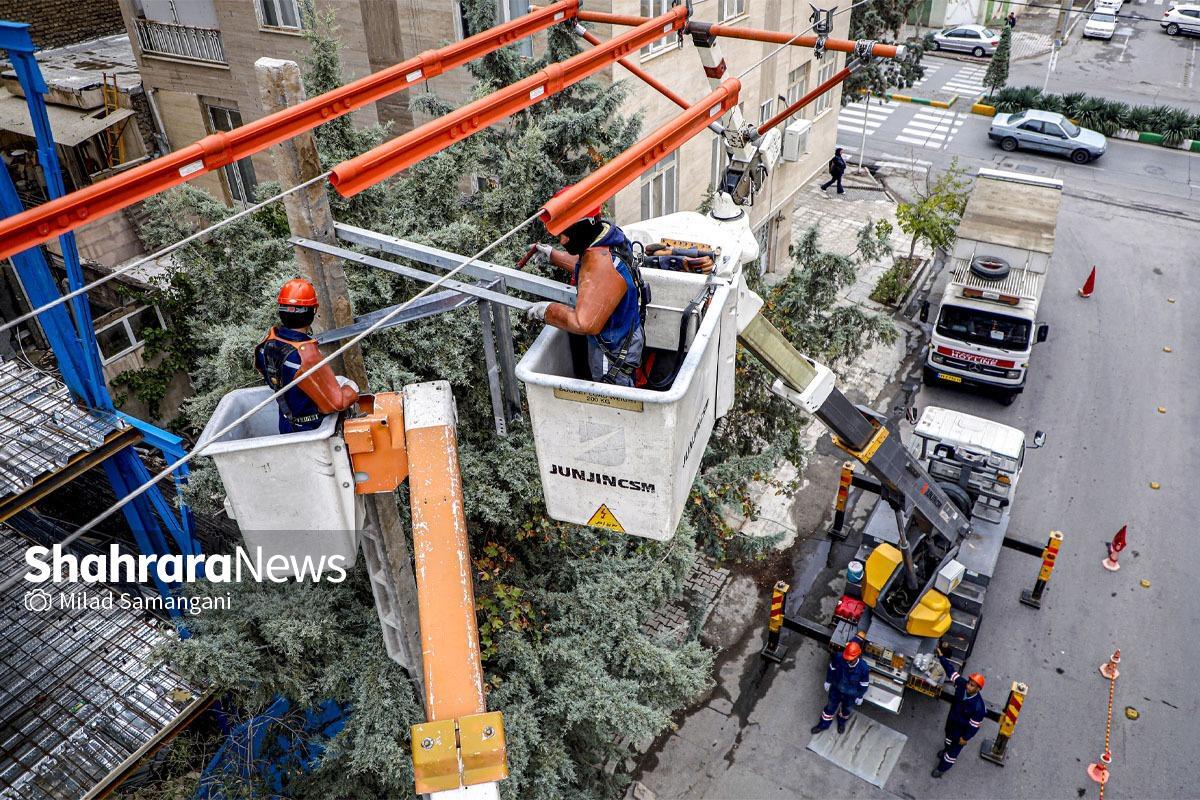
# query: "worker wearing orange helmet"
289,350
609,305
846,681
967,713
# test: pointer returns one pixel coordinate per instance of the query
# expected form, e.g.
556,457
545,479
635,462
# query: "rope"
245,212
1112,689
16,578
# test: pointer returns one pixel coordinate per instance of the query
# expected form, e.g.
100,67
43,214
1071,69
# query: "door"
1190,20
1030,135
1056,139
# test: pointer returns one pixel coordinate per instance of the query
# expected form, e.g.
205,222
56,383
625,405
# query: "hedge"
1107,116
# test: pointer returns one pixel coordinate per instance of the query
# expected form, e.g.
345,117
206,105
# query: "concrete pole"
308,212
309,215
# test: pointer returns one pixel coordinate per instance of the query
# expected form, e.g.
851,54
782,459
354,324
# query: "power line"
15,579
248,210
779,49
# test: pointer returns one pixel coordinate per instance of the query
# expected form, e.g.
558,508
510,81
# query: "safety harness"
618,360
270,354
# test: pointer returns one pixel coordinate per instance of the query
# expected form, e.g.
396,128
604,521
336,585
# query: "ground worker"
967,713
608,310
847,682
288,349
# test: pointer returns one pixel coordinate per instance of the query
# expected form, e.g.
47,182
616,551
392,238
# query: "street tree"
882,20
997,72
934,216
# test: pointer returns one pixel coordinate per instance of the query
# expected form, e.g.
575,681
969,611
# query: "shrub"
1011,99
1176,124
1140,118
1090,113
893,284
1115,116
1071,104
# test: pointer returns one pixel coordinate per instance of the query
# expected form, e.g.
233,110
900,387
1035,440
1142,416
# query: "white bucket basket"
291,494
623,458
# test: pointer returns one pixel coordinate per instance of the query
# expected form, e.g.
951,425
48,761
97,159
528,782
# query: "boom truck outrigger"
460,752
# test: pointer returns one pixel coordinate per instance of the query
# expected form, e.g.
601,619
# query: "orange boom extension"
571,205
40,224
361,172
752,34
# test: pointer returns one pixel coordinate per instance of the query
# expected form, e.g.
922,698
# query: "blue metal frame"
73,338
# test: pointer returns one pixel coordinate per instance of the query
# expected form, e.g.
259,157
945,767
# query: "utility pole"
1064,11
385,548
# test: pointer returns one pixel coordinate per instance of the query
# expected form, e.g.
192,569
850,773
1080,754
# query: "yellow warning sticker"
603,518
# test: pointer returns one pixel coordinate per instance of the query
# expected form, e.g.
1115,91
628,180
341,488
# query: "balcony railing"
181,41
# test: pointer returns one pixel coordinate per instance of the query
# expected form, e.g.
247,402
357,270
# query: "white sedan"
1100,25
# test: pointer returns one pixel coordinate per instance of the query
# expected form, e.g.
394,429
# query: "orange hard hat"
595,212
852,651
977,679
298,293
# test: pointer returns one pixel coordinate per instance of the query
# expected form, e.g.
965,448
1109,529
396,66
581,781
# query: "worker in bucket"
967,713
609,307
289,350
847,682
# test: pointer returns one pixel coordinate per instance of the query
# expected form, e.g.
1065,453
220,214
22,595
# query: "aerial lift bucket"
625,458
291,494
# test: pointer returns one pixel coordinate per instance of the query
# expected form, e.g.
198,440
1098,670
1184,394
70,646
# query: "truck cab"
986,321
977,462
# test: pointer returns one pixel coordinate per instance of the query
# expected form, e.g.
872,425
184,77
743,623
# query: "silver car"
1046,130
974,39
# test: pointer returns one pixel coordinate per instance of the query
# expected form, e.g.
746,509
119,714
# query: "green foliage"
893,284
933,218
882,20
997,71
1106,116
762,429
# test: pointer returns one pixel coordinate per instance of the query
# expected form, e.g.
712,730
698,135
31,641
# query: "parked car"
1100,25
1183,18
1051,132
974,39
1111,6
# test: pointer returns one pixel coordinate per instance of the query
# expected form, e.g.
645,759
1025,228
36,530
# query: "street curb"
922,101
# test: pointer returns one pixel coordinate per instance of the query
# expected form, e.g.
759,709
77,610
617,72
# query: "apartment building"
197,62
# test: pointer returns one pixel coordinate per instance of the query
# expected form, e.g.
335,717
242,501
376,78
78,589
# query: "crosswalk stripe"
909,140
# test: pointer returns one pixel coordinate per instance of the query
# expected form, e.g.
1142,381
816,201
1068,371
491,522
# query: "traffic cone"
1114,547
1109,668
1089,285
1099,770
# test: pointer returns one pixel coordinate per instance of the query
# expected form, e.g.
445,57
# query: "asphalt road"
1095,388
1152,66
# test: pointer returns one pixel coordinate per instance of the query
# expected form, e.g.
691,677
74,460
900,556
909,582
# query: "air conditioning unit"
795,139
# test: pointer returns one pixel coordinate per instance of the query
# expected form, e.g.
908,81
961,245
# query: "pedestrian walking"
1012,19
967,712
846,681
837,168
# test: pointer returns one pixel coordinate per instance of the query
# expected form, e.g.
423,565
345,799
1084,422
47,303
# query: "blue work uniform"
967,713
616,352
278,362
847,687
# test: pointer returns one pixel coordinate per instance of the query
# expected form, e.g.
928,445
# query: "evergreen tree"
882,20
997,72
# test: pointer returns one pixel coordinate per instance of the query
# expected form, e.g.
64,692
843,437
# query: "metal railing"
180,41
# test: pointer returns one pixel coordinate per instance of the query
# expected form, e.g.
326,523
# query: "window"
656,8
506,11
1051,129
660,187
766,111
765,239
1033,126
829,67
983,328
728,9
797,83
128,333
720,160
240,174
280,14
